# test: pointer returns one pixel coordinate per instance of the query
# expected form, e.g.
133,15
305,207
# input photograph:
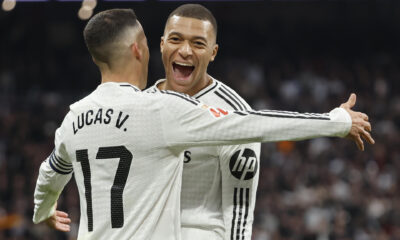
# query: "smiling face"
187,47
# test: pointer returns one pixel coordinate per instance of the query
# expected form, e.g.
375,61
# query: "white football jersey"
126,147
219,183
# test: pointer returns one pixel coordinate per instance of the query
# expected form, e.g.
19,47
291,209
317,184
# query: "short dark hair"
195,11
104,28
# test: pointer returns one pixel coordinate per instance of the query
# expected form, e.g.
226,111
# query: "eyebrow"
195,37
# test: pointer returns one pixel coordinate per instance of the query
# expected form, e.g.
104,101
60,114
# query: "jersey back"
128,180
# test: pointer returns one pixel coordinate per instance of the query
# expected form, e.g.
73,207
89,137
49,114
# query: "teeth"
184,64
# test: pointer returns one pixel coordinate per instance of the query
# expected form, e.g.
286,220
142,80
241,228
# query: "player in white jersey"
126,147
219,182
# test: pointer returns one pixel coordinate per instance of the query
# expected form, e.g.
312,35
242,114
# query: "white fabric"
215,204
155,129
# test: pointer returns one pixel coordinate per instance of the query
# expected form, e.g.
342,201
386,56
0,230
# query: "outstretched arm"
54,173
191,123
360,126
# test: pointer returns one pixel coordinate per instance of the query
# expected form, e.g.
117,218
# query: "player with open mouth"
187,47
219,182
182,71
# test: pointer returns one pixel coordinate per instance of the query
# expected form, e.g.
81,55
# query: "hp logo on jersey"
243,164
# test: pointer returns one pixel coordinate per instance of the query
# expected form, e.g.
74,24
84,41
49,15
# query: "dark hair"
104,28
195,11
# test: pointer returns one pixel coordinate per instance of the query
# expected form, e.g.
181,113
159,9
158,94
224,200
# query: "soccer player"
219,182
126,146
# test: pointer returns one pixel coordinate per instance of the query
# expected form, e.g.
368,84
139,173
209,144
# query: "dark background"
289,55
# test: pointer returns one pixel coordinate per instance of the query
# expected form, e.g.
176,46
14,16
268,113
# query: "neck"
128,75
168,85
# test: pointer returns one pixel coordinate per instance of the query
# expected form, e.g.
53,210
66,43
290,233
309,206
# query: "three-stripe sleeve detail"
246,211
281,114
226,100
231,98
234,213
241,108
183,96
59,165
240,214
209,90
241,199
288,112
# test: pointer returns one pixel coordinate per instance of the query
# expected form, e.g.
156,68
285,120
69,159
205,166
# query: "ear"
97,62
214,53
136,51
162,44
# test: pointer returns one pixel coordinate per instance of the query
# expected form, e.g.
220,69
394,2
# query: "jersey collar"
157,83
197,95
206,89
125,84
121,84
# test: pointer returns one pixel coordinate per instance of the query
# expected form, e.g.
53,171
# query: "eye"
174,39
199,43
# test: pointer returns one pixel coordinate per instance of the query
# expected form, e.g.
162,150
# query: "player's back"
128,180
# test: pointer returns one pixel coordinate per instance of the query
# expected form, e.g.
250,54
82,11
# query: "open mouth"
182,71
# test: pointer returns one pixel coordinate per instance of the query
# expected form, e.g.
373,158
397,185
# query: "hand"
59,221
360,126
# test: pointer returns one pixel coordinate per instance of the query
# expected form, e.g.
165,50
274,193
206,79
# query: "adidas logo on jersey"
216,112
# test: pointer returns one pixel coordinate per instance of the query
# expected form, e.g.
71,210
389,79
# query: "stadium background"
292,55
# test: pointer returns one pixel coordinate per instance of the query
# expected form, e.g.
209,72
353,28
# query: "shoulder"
221,93
153,88
181,97
79,104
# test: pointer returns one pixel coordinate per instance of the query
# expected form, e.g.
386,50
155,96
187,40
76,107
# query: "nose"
185,50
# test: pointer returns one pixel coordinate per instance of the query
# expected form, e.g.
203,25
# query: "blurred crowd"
322,189
325,189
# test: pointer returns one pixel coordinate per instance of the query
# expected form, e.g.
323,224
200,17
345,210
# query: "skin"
360,127
131,65
142,55
59,221
188,41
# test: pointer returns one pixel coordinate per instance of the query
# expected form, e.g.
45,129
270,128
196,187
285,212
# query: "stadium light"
89,3
86,10
85,13
8,5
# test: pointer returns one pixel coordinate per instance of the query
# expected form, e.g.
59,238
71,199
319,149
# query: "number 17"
117,210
